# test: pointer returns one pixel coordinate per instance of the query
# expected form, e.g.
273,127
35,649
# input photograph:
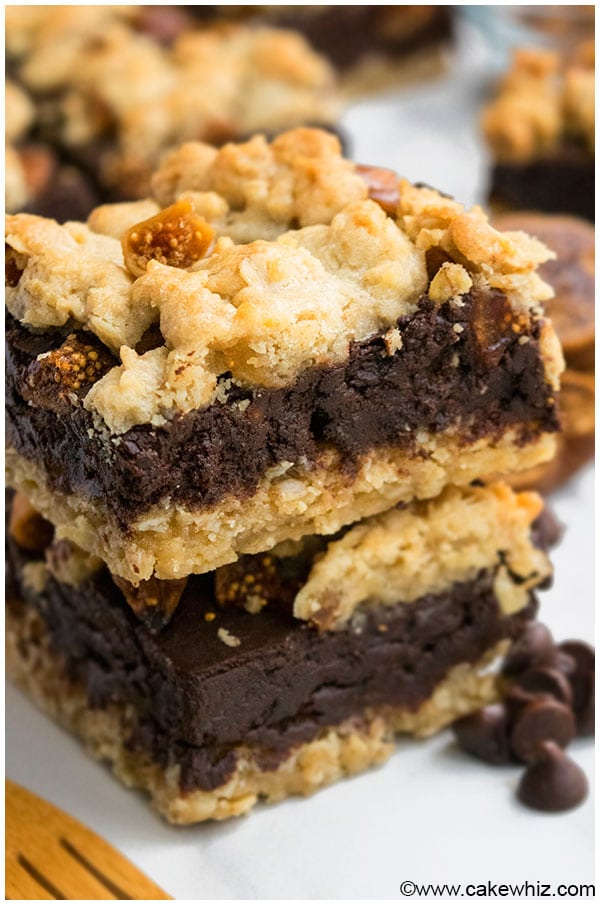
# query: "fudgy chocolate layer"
562,184
196,699
478,378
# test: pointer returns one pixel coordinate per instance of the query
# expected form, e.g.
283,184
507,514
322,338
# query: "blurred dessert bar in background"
94,100
370,46
540,129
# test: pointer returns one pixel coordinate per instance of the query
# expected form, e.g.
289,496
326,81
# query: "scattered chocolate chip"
535,647
515,700
553,782
541,680
586,716
584,660
543,719
563,663
484,734
546,530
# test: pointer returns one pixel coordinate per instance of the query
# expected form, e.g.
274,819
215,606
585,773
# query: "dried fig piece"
72,368
153,601
175,236
27,527
382,185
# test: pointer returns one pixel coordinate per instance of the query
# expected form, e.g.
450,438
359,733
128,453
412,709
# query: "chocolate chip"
553,782
563,663
535,647
543,719
546,530
542,680
515,700
584,658
586,717
484,734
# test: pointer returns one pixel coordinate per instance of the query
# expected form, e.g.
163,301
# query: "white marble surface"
429,814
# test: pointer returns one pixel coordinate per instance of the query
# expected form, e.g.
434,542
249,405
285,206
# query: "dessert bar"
235,698
370,46
541,131
177,398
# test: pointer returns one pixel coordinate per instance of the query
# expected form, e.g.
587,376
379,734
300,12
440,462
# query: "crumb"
227,638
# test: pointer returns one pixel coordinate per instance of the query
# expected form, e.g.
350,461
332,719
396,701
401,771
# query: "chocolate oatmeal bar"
109,97
370,46
540,129
234,701
290,344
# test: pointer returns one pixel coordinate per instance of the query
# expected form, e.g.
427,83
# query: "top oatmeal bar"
279,343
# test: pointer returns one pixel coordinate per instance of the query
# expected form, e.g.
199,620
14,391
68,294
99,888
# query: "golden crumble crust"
259,189
543,100
405,554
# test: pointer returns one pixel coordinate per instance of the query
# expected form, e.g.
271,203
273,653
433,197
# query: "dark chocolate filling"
563,183
196,699
480,380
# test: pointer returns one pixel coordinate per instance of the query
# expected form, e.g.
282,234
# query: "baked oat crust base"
171,542
338,752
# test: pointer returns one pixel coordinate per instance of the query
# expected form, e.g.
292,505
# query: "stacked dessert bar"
254,429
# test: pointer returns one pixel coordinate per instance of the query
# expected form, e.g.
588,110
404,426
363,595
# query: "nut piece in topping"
27,527
175,236
383,186
153,601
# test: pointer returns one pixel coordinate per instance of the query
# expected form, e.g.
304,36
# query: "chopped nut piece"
382,185
153,601
175,236
27,527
